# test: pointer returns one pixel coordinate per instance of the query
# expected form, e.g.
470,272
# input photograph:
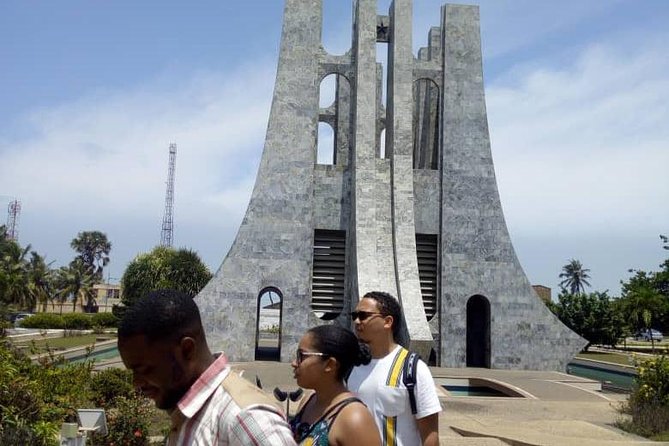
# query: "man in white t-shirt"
377,319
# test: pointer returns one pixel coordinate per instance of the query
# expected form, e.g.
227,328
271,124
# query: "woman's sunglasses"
302,355
363,315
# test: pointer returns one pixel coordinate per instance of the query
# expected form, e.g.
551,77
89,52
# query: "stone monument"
420,218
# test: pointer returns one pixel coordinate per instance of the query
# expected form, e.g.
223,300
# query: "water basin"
613,379
479,387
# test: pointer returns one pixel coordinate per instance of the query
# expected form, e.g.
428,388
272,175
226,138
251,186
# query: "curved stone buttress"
477,257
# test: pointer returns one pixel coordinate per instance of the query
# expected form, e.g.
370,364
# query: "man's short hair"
162,315
388,306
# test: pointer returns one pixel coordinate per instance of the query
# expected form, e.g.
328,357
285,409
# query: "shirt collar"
204,387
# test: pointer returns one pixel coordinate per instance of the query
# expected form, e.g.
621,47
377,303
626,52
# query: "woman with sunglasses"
332,415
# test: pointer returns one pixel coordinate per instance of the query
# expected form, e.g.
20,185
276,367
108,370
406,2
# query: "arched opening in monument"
382,144
478,332
382,74
327,91
268,325
425,124
336,32
432,359
383,6
326,145
328,273
333,120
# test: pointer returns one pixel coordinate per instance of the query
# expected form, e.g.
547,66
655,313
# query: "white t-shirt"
369,382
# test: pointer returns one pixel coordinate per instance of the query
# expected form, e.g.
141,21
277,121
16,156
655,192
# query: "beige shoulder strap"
246,394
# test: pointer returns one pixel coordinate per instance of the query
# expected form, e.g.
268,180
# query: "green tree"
164,267
14,276
40,280
642,303
593,316
574,277
645,297
93,250
75,282
24,280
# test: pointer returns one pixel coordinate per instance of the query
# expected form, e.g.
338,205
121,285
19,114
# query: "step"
471,441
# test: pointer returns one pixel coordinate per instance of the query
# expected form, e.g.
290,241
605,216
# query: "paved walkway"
556,409
551,408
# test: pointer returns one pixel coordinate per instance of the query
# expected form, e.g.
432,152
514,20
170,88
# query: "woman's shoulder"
354,421
355,415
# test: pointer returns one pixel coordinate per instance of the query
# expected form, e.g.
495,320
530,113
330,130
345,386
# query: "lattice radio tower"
166,233
13,214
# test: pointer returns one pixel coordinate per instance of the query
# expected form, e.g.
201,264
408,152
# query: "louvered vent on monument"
327,278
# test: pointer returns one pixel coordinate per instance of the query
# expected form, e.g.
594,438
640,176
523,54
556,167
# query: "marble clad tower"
419,217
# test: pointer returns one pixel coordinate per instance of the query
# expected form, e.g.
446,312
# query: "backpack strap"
389,425
246,394
409,378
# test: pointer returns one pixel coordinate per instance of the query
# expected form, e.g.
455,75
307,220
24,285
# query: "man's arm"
428,406
429,429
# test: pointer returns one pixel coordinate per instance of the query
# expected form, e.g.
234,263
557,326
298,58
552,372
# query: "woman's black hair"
340,343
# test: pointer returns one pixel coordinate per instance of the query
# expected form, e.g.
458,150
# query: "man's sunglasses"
363,315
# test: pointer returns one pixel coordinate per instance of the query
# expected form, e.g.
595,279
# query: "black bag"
409,378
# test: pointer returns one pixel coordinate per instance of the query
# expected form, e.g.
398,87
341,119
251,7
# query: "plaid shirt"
207,415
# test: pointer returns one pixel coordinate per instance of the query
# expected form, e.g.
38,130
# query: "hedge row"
70,321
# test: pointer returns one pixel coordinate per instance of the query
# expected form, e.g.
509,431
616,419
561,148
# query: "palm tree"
40,279
574,277
14,279
76,282
642,302
93,248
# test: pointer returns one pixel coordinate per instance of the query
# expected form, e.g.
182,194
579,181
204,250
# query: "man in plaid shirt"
161,340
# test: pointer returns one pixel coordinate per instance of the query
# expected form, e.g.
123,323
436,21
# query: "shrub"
77,321
36,398
648,405
44,321
128,422
653,381
107,320
109,384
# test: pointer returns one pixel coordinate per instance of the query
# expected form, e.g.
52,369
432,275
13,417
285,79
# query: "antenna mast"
13,214
166,233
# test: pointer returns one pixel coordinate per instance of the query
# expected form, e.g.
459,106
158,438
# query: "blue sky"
94,92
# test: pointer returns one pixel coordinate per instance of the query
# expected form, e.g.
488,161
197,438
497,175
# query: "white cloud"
581,153
579,137
587,140
102,160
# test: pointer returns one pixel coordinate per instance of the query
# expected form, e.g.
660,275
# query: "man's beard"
179,388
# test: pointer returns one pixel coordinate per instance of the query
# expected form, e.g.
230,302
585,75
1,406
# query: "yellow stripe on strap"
393,380
389,427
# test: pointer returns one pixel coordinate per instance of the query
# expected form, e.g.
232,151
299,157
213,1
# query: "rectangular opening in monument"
381,91
428,267
328,273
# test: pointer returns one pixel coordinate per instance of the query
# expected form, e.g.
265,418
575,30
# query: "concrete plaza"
556,409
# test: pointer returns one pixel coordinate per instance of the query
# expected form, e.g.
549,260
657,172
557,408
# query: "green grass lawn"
616,358
42,345
664,436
